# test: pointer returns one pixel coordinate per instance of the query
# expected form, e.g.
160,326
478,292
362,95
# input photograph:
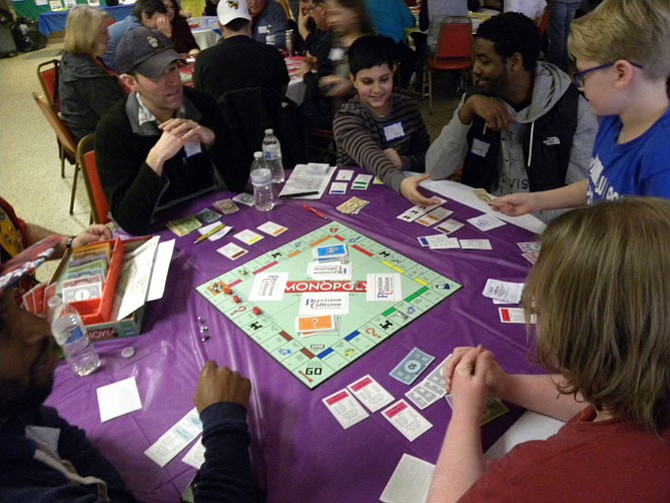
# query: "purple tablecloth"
300,453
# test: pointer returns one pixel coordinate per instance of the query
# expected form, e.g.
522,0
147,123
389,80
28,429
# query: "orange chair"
89,168
453,51
64,137
48,73
543,21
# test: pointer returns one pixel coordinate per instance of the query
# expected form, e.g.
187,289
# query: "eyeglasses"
579,77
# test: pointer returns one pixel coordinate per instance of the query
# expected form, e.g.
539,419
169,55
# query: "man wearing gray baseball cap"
164,143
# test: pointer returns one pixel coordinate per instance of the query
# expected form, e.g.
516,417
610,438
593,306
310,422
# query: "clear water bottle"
261,180
289,43
272,155
70,333
270,38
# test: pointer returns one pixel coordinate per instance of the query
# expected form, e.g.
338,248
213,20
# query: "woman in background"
181,37
87,88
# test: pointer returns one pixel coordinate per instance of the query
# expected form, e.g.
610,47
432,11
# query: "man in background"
267,16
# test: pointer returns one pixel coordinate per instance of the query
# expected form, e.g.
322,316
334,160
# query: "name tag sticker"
263,29
394,131
480,148
336,54
192,148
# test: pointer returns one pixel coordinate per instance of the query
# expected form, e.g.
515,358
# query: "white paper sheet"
410,481
118,398
307,178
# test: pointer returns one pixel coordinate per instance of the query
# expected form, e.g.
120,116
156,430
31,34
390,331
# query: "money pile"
353,206
85,273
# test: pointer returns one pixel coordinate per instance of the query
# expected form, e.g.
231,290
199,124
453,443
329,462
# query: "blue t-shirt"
640,167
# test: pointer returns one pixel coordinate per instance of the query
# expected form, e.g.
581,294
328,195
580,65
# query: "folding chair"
453,51
64,137
48,73
89,168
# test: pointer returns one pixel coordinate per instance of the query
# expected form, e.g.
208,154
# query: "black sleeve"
424,19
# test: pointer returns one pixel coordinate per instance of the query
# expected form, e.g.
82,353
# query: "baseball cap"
227,10
146,52
26,262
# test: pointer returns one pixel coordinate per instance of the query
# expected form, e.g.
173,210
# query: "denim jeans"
562,14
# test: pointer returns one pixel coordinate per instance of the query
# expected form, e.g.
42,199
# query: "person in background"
237,61
562,12
379,130
600,292
149,13
164,143
526,127
268,15
313,26
63,465
326,76
181,36
622,56
87,88
390,18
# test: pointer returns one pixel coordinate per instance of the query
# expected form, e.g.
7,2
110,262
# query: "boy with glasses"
622,52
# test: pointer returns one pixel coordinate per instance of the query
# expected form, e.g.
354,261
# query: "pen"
299,194
316,212
209,234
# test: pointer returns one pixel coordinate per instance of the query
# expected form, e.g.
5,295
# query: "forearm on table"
460,462
539,393
570,196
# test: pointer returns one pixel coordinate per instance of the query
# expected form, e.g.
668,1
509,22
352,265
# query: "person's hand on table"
189,131
393,156
219,385
306,65
163,25
494,377
95,233
493,111
516,204
409,189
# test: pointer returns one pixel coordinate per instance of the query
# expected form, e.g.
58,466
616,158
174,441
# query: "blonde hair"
601,291
635,30
81,29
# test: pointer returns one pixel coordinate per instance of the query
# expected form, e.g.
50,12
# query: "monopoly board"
316,358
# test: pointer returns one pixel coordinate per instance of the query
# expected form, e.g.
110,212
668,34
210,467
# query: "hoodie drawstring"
530,146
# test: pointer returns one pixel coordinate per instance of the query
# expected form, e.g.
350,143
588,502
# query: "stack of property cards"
361,182
352,206
329,253
85,273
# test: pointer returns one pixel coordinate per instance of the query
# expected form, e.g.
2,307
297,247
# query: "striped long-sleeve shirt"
361,138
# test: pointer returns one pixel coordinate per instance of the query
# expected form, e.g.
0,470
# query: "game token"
236,299
257,310
227,290
128,352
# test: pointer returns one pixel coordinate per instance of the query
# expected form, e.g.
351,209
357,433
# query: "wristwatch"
69,241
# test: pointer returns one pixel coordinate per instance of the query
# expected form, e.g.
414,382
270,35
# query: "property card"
338,188
195,456
361,182
410,481
268,286
449,226
217,235
506,291
248,237
345,408
173,441
272,229
232,251
439,242
245,199
486,222
207,216
184,226
370,393
433,217
329,270
418,210
475,244
514,315
383,287
118,398
344,175
411,366
407,420
317,303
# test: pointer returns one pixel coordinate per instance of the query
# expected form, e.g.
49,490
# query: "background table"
299,451
55,21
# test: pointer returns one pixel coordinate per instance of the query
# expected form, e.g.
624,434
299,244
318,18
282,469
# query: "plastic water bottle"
272,154
289,43
261,179
70,333
270,38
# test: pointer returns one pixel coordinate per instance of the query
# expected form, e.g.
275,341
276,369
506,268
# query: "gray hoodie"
446,154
